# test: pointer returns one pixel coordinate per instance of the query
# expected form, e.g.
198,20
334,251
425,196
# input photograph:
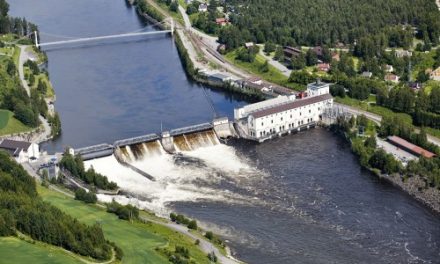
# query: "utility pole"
36,39
172,26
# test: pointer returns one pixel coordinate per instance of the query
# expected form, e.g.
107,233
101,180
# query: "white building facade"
284,114
22,151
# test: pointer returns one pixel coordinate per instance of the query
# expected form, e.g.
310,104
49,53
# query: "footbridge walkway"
167,24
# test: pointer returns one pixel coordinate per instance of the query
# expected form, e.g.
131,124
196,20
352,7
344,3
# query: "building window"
281,119
262,124
300,113
271,121
290,116
310,111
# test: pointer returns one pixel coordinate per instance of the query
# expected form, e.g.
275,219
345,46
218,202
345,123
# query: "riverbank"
202,63
412,185
29,66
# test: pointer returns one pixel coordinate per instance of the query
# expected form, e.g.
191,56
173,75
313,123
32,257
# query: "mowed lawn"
10,125
273,75
14,250
4,118
135,240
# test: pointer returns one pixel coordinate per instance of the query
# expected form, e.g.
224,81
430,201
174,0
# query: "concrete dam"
128,151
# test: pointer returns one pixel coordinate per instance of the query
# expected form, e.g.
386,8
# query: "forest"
12,95
329,22
22,210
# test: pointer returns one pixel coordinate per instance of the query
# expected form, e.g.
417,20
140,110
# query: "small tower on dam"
168,142
223,128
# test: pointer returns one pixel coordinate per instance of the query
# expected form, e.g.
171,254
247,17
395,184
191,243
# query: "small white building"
435,74
284,114
203,7
22,151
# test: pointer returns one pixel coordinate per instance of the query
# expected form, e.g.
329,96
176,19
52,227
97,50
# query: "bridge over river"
167,25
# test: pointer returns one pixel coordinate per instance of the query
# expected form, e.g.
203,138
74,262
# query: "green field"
10,125
15,250
137,240
273,75
4,118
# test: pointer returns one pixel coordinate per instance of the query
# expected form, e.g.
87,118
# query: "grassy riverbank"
140,242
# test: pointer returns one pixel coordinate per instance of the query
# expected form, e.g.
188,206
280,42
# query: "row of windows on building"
300,113
282,128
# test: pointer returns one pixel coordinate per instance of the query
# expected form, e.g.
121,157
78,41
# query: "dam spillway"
176,140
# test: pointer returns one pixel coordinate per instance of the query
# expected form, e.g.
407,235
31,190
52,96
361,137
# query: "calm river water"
298,199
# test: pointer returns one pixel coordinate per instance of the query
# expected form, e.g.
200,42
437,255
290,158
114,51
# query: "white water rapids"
186,176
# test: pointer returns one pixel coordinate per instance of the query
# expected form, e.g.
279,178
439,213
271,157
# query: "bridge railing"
93,148
136,140
191,129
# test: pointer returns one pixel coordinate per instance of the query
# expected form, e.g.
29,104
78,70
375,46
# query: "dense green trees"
125,212
424,108
144,7
75,165
83,195
181,219
317,22
21,209
247,54
13,25
384,162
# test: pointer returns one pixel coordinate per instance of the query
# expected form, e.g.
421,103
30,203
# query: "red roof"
221,20
410,147
291,105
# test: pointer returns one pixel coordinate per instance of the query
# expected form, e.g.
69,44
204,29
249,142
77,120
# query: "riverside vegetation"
23,211
75,165
420,178
13,97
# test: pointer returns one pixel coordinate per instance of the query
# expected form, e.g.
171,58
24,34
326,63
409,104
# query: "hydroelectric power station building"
283,114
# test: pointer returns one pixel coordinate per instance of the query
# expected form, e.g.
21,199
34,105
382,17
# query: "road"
204,245
377,119
208,46
24,56
278,65
46,133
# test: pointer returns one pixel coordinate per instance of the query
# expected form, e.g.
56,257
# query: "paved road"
46,133
278,65
378,119
185,17
24,56
204,245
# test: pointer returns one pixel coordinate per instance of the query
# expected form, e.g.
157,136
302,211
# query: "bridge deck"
136,140
93,148
79,40
191,129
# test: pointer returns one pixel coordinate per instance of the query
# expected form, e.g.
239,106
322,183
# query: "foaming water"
182,177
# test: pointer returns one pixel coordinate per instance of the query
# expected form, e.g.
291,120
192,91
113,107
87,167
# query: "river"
298,199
